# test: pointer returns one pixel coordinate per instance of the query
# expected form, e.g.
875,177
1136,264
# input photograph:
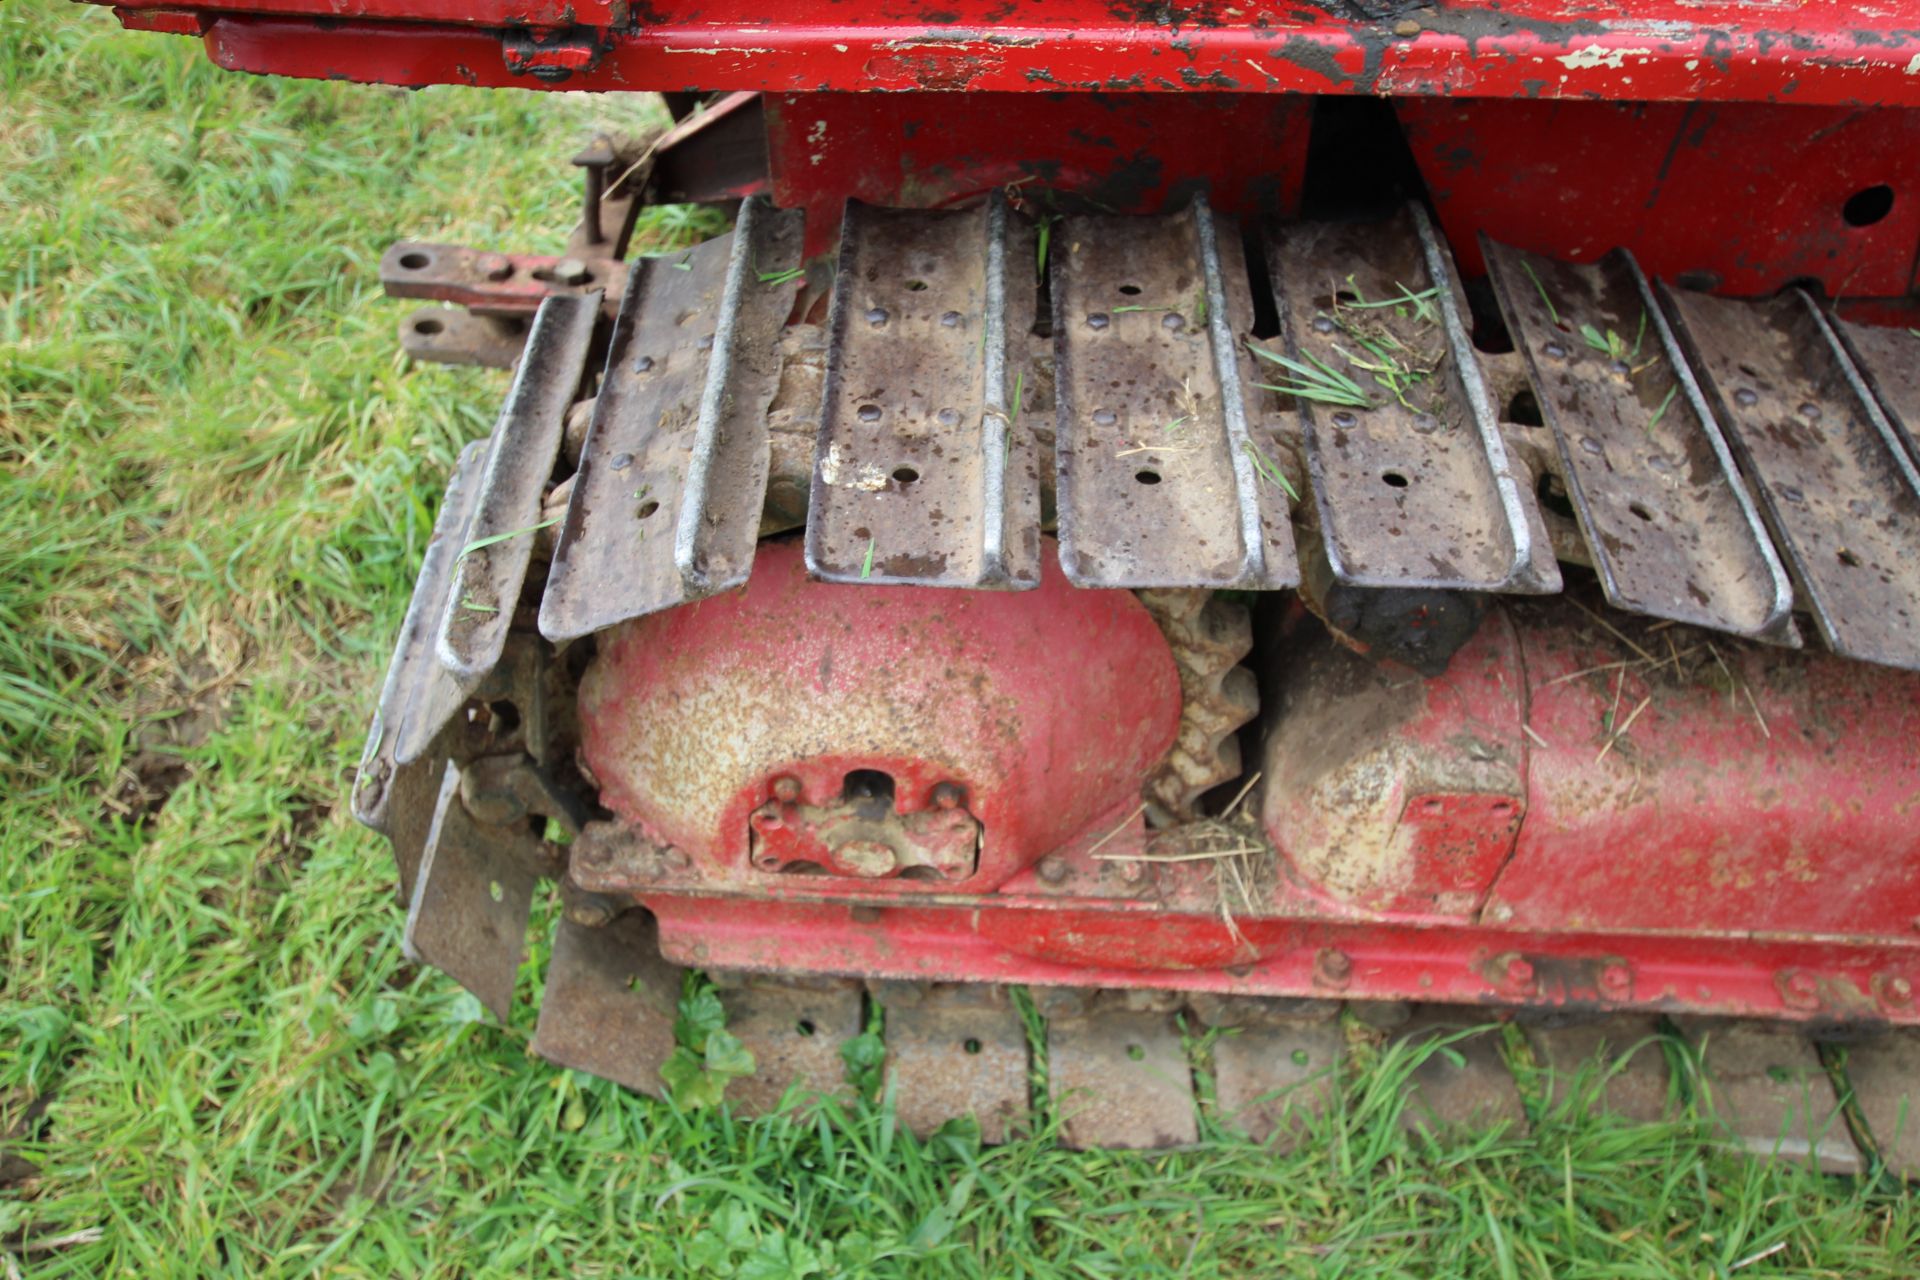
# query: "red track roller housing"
760,733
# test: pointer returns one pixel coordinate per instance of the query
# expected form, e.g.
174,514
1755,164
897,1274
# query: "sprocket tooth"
472,899
1461,1083
1766,1084
1119,1078
1626,1048
610,1002
955,1050
1209,637
1278,1064
1885,1075
795,1031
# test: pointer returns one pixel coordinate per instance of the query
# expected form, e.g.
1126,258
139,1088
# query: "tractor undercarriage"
1234,555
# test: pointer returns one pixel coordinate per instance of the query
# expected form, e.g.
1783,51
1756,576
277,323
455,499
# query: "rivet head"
1322,324
877,316
949,319
1053,868
1173,320
786,788
1097,320
1344,419
1557,350
1897,990
1616,977
1746,398
949,795
1519,971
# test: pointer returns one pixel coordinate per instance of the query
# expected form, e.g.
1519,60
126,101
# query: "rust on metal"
1889,360
667,500
500,283
393,796
468,917
1276,1066
955,1050
795,1031
453,335
916,479
1461,1079
1838,489
1410,475
421,696
1119,1078
1159,481
610,1002
1767,1086
1624,1049
1666,515
491,569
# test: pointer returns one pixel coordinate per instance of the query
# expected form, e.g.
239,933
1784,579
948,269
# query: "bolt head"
571,271
786,788
1333,965
1616,977
590,914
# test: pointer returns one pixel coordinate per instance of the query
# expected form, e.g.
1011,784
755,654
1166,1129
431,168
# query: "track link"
1147,1070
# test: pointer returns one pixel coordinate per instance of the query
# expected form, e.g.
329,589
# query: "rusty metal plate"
1666,515
1837,488
673,474
499,282
1885,1075
952,1051
911,472
1463,1080
794,1033
420,696
450,335
610,1002
468,917
1120,1079
1766,1084
394,798
1889,361
1268,1074
1158,479
1409,472
491,569
1625,1050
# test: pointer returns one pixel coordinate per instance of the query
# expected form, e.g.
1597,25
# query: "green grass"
215,481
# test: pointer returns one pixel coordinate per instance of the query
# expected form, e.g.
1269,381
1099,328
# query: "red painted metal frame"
1742,199
1825,52
1247,151
1049,943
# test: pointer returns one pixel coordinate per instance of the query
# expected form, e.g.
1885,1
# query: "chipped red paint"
1826,52
1554,820
1743,198
689,717
1091,946
1248,151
